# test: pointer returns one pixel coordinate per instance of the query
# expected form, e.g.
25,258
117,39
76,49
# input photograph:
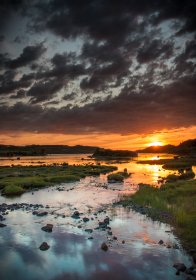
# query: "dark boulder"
179,267
2,225
76,215
42,213
104,246
85,219
103,225
106,220
89,230
2,218
44,246
47,228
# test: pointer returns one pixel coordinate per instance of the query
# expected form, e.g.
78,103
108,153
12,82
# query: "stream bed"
133,240
75,253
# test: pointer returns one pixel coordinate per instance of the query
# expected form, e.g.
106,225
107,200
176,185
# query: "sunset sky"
111,73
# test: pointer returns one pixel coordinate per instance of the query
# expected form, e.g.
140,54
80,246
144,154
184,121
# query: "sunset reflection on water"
140,173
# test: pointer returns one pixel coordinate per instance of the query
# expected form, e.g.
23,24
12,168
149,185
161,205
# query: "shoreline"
163,205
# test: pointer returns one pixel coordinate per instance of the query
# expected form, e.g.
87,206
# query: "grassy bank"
18,179
173,203
172,164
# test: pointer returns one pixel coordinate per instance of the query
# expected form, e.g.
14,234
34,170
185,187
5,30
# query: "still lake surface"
72,255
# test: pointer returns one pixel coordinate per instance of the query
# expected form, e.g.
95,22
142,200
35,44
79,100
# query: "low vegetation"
118,176
17,179
188,174
174,203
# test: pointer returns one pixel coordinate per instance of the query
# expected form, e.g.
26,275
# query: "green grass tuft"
13,190
115,177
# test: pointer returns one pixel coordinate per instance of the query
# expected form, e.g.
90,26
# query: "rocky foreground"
103,224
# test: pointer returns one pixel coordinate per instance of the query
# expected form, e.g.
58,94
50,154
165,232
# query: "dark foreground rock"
106,221
85,219
44,246
89,230
2,218
2,225
42,213
76,215
104,246
179,267
48,228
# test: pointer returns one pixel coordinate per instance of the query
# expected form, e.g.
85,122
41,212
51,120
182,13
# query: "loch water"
75,253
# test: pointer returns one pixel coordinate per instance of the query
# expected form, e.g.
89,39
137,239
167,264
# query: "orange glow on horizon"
110,141
156,144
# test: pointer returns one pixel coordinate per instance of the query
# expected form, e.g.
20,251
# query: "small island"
107,154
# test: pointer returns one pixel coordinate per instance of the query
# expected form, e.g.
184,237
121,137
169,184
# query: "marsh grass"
18,179
177,199
187,175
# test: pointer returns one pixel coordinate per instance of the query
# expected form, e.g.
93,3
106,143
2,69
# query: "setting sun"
156,143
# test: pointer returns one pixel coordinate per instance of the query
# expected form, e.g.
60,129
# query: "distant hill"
113,154
158,149
186,147
37,150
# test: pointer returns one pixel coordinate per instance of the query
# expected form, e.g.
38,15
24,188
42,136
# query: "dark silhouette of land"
39,150
186,147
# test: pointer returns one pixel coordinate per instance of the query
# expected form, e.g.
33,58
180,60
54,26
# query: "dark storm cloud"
69,97
44,83
64,67
185,62
9,85
151,50
60,60
44,90
146,69
182,10
20,94
161,107
28,55
111,20
108,64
